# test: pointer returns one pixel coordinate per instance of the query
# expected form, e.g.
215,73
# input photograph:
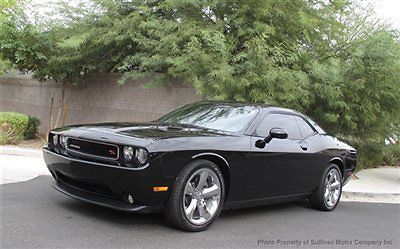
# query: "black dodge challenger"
199,159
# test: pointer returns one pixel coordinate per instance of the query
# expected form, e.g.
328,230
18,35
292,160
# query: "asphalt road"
33,215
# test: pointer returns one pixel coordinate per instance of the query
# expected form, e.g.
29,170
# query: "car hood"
145,131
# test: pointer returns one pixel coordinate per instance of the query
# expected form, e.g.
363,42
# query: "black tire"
317,200
175,213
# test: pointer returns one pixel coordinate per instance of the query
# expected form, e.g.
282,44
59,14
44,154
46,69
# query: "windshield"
217,116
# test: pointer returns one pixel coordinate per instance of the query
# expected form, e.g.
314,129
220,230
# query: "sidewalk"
373,185
20,164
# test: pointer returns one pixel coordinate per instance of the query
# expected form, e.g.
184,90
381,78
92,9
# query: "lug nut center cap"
198,195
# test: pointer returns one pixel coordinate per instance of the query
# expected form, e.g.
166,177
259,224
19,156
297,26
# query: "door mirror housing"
277,133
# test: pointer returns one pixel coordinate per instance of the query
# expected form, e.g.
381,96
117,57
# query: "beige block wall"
97,99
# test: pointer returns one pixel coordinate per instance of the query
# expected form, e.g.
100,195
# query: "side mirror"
277,133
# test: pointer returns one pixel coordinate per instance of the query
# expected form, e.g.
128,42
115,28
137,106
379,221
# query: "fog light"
128,153
130,199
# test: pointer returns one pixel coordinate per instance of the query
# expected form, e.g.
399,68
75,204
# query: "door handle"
303,146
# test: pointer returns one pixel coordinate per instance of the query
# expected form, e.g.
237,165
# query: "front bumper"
109,185
102,201
347,175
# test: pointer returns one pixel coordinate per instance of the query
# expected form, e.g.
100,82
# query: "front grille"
353,153
93,149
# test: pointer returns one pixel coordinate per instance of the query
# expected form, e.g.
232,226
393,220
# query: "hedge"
14,127
32,128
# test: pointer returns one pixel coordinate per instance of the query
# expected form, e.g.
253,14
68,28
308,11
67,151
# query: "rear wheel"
328,194
197,197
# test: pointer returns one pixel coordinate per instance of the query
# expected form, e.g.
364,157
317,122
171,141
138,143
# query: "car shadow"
40,193
117,217
127,218
265,208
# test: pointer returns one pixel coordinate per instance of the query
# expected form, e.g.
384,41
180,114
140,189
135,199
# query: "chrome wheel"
332,188
202,196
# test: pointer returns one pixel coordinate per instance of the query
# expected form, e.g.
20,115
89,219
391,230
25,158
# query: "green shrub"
391,155
32,129
12,127
8,135
370,154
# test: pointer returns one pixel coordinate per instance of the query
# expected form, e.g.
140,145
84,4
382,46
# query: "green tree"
357,93
5,8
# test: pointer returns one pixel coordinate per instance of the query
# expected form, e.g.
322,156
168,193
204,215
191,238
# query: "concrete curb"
393,198
370,195
17,151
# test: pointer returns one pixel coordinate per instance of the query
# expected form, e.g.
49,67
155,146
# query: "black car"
199,159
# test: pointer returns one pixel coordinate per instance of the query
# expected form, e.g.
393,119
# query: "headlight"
128,153
141,155
63,141
55,139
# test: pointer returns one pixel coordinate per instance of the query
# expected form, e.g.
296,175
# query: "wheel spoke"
326,193
189,189
336,195
203,211
328,198
211,191
331,177
202,180
332,198
191,208
335,185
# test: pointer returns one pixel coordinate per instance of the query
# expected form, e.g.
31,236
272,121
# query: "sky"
387,10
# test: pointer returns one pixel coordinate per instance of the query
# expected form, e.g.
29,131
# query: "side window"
316,126
283,121
304,127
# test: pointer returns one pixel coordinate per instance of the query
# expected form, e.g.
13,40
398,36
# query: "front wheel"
197,197
328,194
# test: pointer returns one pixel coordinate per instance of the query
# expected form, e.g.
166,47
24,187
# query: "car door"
277,169
316,158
